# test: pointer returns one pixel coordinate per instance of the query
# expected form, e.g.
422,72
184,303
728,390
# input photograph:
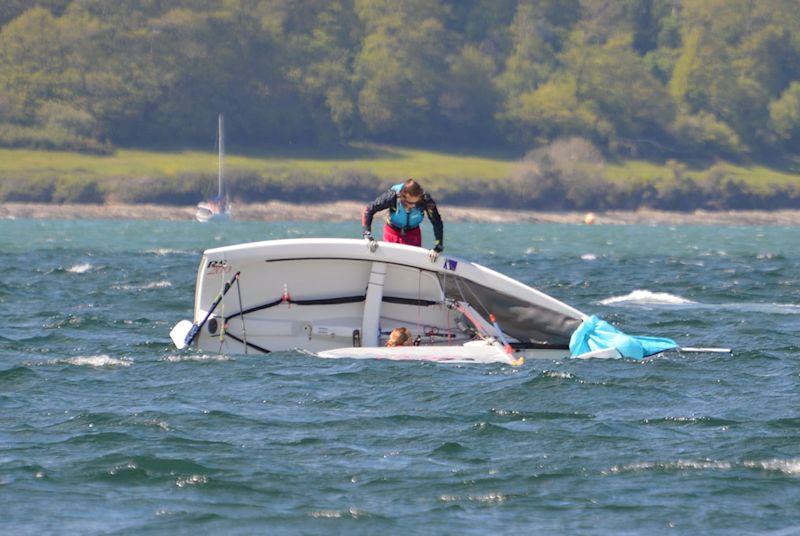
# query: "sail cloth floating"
596,336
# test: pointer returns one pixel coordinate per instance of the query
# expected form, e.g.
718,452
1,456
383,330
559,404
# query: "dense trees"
666,77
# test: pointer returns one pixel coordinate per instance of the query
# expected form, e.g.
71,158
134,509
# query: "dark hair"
411,188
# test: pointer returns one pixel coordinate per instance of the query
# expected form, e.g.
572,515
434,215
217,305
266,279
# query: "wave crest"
646,297
96,361
147,286
80,268
166,251
790,466
196,357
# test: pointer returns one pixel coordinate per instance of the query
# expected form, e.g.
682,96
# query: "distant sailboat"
218,208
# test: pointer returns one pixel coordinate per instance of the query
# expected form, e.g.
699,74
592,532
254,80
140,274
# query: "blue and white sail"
597,338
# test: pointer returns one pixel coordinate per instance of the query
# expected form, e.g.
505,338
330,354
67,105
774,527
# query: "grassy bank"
757,177
545,180
384,162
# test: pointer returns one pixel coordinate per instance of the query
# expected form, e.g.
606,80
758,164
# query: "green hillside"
637,78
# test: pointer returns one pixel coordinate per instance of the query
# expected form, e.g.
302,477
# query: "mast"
221,132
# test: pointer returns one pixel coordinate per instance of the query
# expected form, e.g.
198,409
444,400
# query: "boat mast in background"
217,208
221,134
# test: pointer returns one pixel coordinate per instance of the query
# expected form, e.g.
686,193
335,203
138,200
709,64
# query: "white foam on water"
788,467
164,425
589,257
196,357
557,374
690,420
699,465
157,284
165,251
125,466
646,297
765,308
80,268
192,480
679,465
351,512
147,286
96,361
488,498
326,514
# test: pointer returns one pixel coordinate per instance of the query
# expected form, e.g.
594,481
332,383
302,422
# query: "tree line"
704,78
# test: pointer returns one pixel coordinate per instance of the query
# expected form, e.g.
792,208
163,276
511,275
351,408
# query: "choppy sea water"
105,428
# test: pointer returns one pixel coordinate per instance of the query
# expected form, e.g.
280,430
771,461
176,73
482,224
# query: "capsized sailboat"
334,298
217,208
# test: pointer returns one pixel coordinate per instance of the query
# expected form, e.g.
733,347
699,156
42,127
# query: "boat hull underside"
319,304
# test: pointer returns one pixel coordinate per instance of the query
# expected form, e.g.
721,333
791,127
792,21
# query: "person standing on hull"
408,204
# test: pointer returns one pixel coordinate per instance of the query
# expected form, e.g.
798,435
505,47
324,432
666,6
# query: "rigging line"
222,311
447,320
493,321
446,309
332,301
464,311
244,328
250,344
196,327
478,299
256,309
329,301
419,296
320,301
410,301
460,291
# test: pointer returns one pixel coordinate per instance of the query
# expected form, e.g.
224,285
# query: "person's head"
399,337
411,193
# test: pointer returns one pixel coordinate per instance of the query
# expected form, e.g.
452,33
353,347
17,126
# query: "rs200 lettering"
217,267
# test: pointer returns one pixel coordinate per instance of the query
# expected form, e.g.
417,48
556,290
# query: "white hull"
206,213
319,295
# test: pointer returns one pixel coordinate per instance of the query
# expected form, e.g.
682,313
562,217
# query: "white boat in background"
217,208
335,298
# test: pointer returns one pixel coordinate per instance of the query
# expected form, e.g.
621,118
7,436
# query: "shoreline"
340,211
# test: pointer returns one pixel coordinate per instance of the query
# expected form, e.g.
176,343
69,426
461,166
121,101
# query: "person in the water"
408,204
399,337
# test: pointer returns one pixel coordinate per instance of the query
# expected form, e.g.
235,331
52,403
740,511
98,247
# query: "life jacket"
401,218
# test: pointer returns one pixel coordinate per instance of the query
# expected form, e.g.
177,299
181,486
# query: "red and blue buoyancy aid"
401,218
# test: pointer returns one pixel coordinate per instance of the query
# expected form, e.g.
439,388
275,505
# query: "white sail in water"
217,208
